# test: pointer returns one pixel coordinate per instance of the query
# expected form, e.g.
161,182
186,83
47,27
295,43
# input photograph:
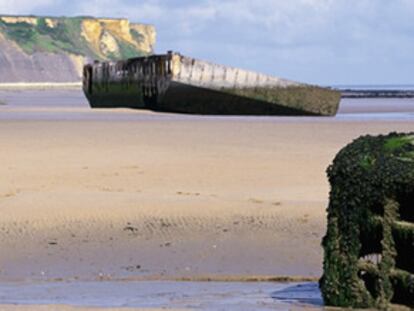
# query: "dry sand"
167,198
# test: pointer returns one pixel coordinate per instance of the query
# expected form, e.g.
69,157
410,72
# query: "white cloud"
23,6
276,36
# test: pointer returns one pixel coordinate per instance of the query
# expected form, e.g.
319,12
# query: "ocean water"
396,87
58,105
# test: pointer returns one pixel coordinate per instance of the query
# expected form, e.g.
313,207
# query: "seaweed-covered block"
369,243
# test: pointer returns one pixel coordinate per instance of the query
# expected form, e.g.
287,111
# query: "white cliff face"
148,36
108,44
99,31
19,19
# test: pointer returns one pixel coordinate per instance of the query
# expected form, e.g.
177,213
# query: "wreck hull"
116,101
113,102
175,83
184,98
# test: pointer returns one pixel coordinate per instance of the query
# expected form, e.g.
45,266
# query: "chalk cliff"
46,49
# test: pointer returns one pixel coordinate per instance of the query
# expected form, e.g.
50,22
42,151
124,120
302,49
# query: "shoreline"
355,93
376,93
40,86
186,279
155,295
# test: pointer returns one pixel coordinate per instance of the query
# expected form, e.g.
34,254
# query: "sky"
327,42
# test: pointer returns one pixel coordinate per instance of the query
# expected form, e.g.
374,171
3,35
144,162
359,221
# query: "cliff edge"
48,49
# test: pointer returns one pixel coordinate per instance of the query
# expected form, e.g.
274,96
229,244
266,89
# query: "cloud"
325,41
23,6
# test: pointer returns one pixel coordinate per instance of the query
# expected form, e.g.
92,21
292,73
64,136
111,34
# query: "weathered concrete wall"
175,83
184,98
213,76
369,244
297,98
135,83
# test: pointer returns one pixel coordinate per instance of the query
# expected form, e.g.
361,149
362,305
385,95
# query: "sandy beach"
129,195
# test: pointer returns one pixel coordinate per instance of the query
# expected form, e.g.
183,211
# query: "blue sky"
316,41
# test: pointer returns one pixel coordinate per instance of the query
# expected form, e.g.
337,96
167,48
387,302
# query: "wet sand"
156,294
106,195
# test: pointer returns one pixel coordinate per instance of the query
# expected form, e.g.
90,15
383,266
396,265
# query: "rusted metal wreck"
175,83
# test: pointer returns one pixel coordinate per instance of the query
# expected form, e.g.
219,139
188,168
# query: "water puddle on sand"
166,294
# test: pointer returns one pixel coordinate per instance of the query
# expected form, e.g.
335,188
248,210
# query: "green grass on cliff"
127,50
41,38
65,36
136,35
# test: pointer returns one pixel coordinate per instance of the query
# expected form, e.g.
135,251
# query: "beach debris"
166,244
256,201
369,243
104,276
130,228
164,223
132,268
188,193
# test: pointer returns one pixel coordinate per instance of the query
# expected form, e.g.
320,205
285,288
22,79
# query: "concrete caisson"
175,83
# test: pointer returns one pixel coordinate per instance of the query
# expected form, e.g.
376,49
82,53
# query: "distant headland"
54,49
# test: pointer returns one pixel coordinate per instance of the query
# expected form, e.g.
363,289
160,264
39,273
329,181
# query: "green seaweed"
367,161
316,100
369,212
395,143
127,50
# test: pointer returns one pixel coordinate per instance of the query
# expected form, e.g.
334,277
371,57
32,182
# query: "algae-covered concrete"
176,83
369,244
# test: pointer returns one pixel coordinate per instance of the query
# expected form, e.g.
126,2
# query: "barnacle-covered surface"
369,244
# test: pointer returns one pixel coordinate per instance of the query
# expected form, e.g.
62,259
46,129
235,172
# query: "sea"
72,105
